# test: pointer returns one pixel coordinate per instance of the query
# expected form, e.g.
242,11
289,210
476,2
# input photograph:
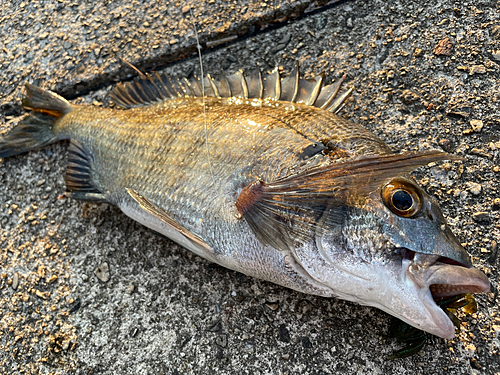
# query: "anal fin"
79,182
160,214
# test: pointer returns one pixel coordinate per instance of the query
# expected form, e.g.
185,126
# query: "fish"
259,173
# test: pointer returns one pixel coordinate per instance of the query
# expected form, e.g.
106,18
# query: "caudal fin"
36,130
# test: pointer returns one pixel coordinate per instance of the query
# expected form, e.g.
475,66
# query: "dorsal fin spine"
184,90
168,87
196,86
261,85
339,101
140,93
158,87
148,89
316,90
334,94
277,87
121,96
295,73
223,86
244,86
187,83
132,94
173,88
155,79
214,86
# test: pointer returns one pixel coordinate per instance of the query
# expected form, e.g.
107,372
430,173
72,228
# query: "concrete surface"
166,311
74,46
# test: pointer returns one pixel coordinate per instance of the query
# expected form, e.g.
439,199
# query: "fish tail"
39,128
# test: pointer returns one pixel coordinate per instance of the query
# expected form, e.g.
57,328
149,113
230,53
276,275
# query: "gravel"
163,309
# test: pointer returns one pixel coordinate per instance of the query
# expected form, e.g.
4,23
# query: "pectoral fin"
160,214
79,178
295,208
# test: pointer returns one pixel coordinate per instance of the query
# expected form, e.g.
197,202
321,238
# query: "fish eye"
402,198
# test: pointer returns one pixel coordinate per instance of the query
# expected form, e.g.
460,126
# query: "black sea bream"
263,177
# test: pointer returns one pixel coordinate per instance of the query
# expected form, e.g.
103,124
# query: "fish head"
396,252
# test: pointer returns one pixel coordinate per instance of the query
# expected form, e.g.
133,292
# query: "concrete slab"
166,311
72,46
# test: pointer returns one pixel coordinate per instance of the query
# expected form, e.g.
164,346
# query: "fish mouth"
438,277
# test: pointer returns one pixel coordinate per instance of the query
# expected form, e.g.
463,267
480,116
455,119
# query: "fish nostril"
409,254
405,253
429,215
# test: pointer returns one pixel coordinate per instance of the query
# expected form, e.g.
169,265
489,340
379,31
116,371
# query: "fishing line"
198,47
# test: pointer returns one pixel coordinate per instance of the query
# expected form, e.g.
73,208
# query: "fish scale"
125,142
270,182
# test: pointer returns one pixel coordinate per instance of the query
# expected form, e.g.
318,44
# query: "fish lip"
455,279
444,326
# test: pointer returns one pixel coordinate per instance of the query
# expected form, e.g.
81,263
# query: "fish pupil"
402,200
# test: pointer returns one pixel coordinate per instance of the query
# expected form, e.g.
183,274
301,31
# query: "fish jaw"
432,279
403,283
432,264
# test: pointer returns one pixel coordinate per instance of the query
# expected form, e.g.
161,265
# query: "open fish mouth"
466,280
439,277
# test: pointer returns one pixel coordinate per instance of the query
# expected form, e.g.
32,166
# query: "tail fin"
36,130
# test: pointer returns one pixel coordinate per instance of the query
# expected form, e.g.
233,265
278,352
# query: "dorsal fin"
157,87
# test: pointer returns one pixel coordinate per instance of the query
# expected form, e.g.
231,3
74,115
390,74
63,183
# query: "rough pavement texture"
426,75
75,45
